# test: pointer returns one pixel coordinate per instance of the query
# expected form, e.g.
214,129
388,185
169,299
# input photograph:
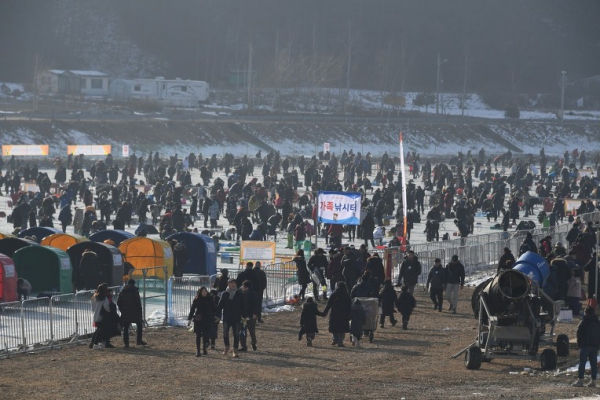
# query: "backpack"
592,335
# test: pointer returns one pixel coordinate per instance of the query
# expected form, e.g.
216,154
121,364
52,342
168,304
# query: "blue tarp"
116,235
202,257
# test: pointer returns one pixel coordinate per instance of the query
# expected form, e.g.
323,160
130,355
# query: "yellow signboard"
25,150
89,150
251,250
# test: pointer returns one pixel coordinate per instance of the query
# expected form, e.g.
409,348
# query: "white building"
86,83
168,92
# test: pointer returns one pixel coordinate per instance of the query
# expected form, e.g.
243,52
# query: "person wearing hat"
506,256
130,306
528,245
455,276
410,269
588,341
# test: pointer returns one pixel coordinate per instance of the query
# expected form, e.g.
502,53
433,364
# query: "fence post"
166,285
23,328
144,273
51,323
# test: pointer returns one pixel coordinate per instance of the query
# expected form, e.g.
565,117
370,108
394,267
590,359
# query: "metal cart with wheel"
371,307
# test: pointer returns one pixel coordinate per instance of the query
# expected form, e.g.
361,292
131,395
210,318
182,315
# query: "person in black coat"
406,305
130,305
375,265
260,290
588,345
252,308
387,301
248,275
436,280
202,312
410,269
365,288
349,267
318,264
358,317
308,320
221,281
302,273
506,256
232,307
90,271
340,304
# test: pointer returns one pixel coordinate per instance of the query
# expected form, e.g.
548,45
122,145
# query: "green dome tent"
48,269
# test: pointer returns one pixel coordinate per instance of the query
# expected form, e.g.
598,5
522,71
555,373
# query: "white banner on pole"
326,147
342,208
125,150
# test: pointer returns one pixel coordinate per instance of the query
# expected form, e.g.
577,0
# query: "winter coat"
406,303
334,269
248,275
340,304
358,317
364,288
308,318
130,305
582,329
574,289
388,300
375,265
90,271
349,269
302,271
65,215
231,308
410,271
204,306
221,282
262,280
455,273
436,278
504,258
252,305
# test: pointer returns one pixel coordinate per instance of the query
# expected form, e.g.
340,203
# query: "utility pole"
562,96
250,77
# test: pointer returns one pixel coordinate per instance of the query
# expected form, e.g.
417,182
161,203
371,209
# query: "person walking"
231,307
260,291
410,269
455,277
588,341
250,315
302,273
202,312
100,308
387,301
340,304
130,306
357,318
436,282
406,305
308,321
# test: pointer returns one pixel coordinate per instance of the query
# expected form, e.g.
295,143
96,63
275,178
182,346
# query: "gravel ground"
414,363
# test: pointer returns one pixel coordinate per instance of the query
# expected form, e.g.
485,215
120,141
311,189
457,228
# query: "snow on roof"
78,72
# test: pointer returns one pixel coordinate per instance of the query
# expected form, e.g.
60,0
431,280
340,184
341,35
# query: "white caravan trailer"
170,92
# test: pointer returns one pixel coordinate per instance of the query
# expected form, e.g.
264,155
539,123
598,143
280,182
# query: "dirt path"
413,364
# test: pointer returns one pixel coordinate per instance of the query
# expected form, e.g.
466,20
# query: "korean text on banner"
342,208
251,250
25,150
89,150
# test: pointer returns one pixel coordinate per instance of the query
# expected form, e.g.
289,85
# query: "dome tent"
202,257
110,258
144,252
46,268
40,232
116,235
62,240
9,245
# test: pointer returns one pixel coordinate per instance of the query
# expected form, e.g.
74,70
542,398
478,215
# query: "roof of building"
79,72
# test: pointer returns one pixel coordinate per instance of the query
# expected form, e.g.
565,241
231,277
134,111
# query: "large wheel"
562,345
548,360
473,358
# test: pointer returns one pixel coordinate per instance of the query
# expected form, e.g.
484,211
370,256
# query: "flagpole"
403,184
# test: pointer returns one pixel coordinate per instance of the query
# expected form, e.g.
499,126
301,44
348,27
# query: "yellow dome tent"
144,252
62,240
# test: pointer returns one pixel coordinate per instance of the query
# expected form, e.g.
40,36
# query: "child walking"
406,304
387,301
308,320
358,317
